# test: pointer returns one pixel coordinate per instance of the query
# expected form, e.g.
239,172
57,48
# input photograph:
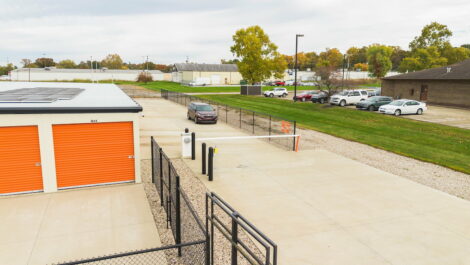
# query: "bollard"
210,170
203,156
193,146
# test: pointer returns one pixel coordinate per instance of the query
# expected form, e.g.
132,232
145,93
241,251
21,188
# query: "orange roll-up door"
93,153
20,160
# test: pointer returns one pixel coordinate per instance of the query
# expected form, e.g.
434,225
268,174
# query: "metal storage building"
64,135
209,74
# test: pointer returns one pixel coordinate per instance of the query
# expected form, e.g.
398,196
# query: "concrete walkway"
84,223
322,208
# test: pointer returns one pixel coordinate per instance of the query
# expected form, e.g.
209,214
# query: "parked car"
202,113
279,83
305,96
197,83
320,97
348,97
403,106
289,83
373,103
278,92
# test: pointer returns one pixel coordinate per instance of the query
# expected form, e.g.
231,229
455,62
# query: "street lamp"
295,67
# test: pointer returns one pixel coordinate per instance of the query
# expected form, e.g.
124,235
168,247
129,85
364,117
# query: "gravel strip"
195,191
434,176
139,92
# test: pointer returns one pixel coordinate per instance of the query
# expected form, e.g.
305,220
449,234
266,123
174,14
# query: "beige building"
206,74
57,136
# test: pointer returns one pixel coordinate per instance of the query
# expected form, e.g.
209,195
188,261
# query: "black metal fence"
253,122
185,224
239,233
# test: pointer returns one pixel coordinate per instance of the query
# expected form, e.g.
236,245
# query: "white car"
348,97
290,83
278,92
403,106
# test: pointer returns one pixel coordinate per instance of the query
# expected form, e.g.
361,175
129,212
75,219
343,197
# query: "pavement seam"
40,226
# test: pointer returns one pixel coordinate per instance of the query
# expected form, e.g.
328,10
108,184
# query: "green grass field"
443,145
172,86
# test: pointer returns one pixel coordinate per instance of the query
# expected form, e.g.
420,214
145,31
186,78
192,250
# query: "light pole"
344,65
295,67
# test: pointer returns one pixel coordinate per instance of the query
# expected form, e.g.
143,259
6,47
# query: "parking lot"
40,229
450,116
445,115
320,207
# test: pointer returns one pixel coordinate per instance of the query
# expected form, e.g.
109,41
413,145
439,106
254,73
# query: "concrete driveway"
445,115
320,207
76,224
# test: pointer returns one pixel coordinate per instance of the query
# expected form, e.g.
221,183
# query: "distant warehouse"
56,74
206,74
448,85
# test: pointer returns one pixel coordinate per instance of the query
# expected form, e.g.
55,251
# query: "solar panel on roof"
39,95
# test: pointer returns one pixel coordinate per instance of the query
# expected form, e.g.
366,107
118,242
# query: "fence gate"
248,245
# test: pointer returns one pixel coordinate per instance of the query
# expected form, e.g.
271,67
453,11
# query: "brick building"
449,85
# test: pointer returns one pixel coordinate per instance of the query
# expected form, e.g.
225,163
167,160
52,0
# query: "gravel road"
438,177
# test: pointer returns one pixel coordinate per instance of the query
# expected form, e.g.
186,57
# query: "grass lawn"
443,145
172,86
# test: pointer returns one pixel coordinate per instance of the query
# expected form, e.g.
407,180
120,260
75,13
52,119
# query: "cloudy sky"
168,31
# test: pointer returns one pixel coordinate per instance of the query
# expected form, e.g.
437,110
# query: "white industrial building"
56,74
65,135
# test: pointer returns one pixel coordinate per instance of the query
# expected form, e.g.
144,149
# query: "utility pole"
344,62
91,64
295,66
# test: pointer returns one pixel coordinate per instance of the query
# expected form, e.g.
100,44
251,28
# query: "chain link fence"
255,123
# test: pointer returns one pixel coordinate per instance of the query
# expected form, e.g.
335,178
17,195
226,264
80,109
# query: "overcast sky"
168,31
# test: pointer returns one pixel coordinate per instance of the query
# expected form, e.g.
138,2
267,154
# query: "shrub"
144,77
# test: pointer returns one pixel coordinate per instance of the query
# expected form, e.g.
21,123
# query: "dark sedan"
320,97
202,113
308,95
373,103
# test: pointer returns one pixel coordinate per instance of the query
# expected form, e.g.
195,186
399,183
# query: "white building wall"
45,122
43,75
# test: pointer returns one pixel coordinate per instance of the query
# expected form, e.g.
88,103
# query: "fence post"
270,118
210,170
193,146
168,200
253,122
178,214
160,152
153,159
212,230
207,249
295,127
240,118
226,113
234,240
203,157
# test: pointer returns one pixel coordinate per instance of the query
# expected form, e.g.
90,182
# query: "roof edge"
30,110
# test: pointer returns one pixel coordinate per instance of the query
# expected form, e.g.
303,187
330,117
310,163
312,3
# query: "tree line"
112,61
432,48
